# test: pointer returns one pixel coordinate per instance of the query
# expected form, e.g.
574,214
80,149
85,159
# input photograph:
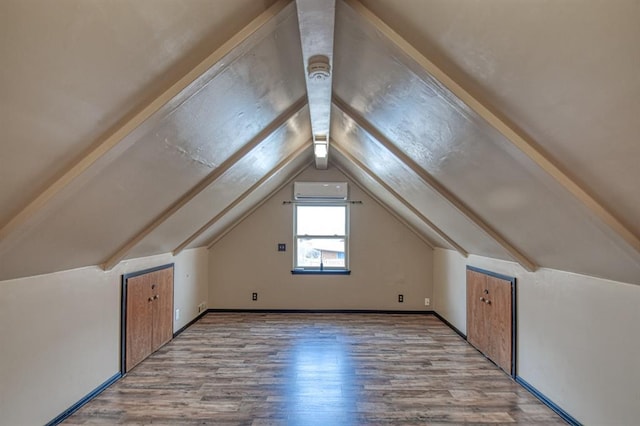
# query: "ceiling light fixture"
320,150
319,68
320,146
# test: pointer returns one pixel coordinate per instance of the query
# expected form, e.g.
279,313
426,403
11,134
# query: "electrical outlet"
427,301
400,298
254,296
177,314
282,247
202,307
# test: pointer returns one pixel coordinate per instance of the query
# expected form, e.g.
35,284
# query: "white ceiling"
198,146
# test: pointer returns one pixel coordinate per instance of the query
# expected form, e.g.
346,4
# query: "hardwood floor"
315,369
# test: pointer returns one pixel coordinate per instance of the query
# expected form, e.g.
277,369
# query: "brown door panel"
476,322
163,307
149,315
501,322
139,321
490,317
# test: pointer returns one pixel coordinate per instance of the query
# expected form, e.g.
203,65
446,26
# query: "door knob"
487,301
151,299
156,297
482,299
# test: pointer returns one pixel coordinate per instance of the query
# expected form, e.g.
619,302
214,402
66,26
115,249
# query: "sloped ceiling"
503,129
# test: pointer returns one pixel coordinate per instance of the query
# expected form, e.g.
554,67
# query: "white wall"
191,284
577,335
386,259
449,287
60,332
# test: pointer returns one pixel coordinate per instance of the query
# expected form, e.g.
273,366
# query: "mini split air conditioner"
320,191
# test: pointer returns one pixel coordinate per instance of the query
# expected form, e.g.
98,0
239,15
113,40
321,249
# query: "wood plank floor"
315,369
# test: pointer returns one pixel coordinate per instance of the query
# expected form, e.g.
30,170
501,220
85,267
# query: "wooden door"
162,288
490,316
477,326
500,318
148,322
139,320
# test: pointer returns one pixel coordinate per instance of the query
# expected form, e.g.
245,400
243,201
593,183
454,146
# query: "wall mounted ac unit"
320,191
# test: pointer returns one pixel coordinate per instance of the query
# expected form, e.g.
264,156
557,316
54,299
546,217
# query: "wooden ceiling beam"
528,147
316,21
116,137
382,204
434,184
281,165
249,212
338,147
274,126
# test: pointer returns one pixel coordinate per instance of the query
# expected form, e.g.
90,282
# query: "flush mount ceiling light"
320,150
319,68
320,146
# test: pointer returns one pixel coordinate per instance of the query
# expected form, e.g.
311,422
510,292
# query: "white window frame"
296,267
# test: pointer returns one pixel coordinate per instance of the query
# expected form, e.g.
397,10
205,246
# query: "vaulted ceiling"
498,128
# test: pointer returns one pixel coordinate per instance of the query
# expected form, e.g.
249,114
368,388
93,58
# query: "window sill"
319,272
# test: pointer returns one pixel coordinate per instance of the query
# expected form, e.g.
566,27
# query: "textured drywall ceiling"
565,72
253,96
76,71
393,95
72,70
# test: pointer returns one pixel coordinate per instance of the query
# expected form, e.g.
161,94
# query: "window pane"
321,220
329,250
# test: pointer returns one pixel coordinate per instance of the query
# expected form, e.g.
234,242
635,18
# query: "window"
321,238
